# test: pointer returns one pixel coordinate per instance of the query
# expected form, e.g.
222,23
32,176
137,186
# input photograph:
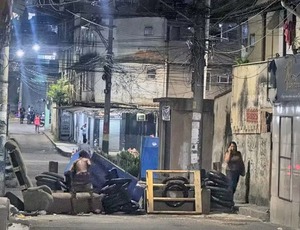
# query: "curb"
63,153
261,213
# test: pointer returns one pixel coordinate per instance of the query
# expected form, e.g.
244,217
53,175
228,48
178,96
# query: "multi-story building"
264,110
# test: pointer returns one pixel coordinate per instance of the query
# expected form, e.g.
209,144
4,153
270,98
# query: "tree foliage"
129,162
59,92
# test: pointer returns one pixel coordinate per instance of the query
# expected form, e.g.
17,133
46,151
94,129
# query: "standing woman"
235,165
37,123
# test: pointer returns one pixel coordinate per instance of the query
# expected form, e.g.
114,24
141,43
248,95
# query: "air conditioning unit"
141,117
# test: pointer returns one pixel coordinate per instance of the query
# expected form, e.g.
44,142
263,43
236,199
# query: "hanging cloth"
289,32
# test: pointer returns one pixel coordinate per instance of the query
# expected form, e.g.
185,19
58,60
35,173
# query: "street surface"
37,151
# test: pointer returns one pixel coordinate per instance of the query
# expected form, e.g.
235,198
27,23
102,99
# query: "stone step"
255,211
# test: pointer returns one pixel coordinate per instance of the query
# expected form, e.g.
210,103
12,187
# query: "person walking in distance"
85,146
83,129
37,123
235,165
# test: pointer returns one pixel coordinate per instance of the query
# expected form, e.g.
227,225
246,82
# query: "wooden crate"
151,197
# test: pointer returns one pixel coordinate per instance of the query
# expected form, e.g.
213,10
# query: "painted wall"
249,97
133,85
255,186
249,104
134,54
222,127
274,35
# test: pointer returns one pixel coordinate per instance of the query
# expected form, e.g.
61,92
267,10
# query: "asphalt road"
37,151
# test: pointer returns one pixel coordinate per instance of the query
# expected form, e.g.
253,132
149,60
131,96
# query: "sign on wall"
288,78
252,115
166,113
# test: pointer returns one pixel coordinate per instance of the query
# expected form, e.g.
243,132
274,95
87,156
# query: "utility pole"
5,18
107,77
198,61
207,24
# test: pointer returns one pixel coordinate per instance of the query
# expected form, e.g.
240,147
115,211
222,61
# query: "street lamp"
221,27
20,53
36,47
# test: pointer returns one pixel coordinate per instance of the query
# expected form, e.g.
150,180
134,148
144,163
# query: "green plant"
59,92
129,162
239,61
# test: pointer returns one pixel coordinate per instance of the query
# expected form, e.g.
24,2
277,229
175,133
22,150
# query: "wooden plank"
149,182
174,198
175,212
163,185
197,192
173,171
198,199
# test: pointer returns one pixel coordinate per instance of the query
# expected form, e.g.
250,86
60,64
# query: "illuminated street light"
36,47
20,53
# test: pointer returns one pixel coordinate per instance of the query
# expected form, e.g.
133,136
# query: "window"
151,73
245,32
148,30
208,80
252,40
285,158
224,79
175,33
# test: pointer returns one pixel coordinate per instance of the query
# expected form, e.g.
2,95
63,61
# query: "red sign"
252,115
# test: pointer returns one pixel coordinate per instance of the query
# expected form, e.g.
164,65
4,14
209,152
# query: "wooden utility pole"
107,77
198,52
5,18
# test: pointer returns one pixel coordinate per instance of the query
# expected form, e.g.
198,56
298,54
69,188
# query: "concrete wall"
274,36
175,135
249,97
255,186
222,127
249,104
54,121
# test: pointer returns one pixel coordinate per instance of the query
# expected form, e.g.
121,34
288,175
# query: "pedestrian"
37,123
81,179
235,165
83,129
22,115
85,146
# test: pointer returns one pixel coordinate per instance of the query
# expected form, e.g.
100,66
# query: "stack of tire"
178,184
221,194
116,197
53,180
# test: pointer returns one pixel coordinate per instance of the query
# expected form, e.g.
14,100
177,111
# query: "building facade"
264,111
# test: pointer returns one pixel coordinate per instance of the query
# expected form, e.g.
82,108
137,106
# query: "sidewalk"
255,211
65,148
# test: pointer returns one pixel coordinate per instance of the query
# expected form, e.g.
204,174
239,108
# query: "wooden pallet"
151,198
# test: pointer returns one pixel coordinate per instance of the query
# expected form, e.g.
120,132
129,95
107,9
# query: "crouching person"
81,179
